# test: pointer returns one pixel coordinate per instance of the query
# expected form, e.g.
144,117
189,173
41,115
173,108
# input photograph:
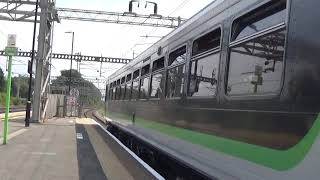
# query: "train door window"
158,64
178,56
210,41
157,85
128,91
204,76
144,87
256,62
135,89
264,17
175,81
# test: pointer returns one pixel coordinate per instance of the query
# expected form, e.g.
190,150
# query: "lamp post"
30,67
71,32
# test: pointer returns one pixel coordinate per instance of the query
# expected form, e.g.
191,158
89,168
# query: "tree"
2,81
89,93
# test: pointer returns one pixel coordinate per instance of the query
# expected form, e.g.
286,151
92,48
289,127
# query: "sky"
91,38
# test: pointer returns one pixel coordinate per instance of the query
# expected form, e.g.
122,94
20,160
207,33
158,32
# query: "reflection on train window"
204,76
123,92
178,56
128,91
271,14
135,90
256,66
144,88
158,64
128,77
123,79
157,84
136,74
175,81
207,42
145,70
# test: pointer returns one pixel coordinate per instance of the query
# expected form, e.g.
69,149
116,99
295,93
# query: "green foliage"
89,93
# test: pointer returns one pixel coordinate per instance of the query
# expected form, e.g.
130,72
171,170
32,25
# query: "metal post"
71,61
28,107
6,119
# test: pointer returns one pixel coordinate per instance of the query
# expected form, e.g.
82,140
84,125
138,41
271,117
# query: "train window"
264,17
157,85
118,82
123,80
123,92
136,74
145,70
177,56
204,76
113,93
207,42
144,88
175,81
135,90
129,76
255,66
158,64
128,91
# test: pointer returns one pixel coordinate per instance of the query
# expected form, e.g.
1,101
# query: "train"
234,91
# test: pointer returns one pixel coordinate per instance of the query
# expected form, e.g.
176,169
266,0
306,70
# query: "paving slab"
65,149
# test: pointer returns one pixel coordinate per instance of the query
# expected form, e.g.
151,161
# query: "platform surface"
66,149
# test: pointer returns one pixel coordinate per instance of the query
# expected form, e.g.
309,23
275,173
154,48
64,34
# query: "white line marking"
145,165
42,153
79,136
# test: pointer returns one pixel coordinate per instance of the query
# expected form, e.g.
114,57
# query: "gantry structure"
48,14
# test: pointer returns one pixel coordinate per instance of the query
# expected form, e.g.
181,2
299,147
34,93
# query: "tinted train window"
136,74
128,77
207,42
158,64
145,70
177,56
256,65
144,88
175,81
266,16
204,76
135,90
123,80
157,85
128,91
123,92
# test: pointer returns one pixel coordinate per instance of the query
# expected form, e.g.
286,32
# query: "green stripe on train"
275,159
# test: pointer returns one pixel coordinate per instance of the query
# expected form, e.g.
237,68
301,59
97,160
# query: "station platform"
66,149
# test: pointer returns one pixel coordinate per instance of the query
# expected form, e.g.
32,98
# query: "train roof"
214,8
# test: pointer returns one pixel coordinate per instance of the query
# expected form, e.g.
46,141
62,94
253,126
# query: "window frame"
159,71
209,53
278,27
138,80
171,51
167,68
203,55
142,78
219,26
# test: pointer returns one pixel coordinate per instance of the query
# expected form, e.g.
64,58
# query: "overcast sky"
112,40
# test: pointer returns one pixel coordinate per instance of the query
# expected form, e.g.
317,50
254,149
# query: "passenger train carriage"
240,82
